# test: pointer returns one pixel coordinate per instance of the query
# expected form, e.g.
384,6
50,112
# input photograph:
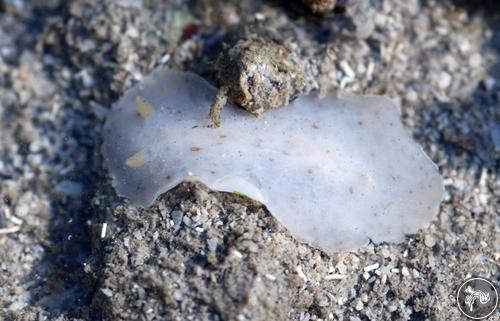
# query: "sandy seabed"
70,249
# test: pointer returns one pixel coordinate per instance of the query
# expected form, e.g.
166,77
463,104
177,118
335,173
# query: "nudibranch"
336,173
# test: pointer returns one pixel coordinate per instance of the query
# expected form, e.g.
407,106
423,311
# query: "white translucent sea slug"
335,172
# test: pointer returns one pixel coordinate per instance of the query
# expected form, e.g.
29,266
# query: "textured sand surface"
70,249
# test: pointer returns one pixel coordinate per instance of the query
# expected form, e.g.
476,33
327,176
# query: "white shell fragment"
334,172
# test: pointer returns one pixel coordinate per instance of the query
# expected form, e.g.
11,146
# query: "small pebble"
443,79
371,267
429,240
107,292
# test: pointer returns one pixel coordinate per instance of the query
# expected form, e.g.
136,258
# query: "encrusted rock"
262,74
